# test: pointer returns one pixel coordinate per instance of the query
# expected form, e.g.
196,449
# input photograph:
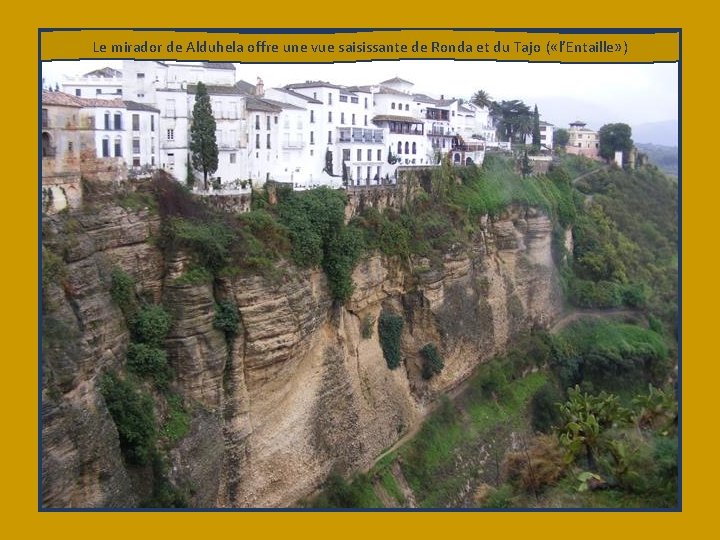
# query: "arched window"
118,147
399,147
392,105
407,107
414,148
106,147
457,158
107,120
468,161
407,147
47,149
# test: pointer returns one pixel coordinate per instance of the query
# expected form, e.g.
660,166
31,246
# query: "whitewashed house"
104,83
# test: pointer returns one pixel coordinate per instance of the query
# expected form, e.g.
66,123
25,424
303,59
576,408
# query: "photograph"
397,285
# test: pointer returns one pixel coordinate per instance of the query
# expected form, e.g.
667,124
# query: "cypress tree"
203,144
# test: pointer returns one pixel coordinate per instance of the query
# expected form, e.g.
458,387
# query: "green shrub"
149,361
227,318
209,241
151,325
389,331
194,275
610,356
338,493
544,410
432,362
493,382
500,497
177,423
122,291
132,412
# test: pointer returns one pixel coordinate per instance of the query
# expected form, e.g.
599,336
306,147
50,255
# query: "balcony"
360,135
437,114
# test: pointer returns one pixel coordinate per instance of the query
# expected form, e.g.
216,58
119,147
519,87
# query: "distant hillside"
665,157
663,133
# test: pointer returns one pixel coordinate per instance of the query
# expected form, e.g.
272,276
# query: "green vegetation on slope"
600,449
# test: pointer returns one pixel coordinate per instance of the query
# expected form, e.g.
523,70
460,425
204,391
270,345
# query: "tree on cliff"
536,129
203,145
560,138
614,137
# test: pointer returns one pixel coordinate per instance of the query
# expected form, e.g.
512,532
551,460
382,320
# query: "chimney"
259,88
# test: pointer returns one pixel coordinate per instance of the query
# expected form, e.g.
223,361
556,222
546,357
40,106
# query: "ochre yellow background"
19,428
268,47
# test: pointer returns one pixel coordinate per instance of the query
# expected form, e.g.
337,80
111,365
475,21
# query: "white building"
104,83
143,123
546,136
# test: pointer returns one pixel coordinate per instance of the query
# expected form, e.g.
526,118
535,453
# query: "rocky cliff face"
299,392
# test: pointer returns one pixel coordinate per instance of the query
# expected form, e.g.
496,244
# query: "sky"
595,93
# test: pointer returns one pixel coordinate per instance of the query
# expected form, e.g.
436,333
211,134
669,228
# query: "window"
136,145
152,160
366,103
136,162
77,92
392,105
359,154
136,122
118,91
70,147
353,119
170,134
346,154
353,100
379,154
329,137
407,147
257,140
106,147
314,95
141,76
152,145
399,147
407,107
312,152
152,122
233,157
107,120
267,142
312,117
414,148
98,91
45,121
257,121
343,99
329,99
329,116
366,119
171,160
342,117
118,148
369,154
267,118
312,137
